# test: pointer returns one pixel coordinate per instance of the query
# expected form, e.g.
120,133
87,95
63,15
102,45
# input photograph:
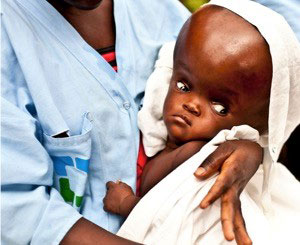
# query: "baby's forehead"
221,42
216,29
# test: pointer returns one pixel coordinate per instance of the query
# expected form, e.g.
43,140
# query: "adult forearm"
85,232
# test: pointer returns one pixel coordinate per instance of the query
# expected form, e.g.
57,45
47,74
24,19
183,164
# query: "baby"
221,78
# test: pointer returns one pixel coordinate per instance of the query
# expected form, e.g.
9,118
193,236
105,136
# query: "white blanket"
170,213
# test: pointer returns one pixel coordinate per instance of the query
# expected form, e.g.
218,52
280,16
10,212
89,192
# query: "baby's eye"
220,109
182,87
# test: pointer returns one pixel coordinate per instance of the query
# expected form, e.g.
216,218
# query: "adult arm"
85,232
27,177
27,195
32,211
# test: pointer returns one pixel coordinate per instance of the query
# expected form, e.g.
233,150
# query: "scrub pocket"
71,158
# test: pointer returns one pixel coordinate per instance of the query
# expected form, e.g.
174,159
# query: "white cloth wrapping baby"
170,213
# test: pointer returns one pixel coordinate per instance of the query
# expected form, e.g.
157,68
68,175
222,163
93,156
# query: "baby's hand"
115,195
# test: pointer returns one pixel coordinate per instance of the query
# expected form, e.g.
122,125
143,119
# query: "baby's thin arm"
165,162
120,198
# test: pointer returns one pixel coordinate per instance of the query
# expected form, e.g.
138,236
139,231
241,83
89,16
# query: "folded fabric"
150,120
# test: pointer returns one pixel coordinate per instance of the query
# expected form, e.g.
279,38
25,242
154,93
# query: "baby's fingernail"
199,171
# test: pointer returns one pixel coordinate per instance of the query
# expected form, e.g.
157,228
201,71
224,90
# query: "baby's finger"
105,204
228,209
241,235
222,184
213,162
109,184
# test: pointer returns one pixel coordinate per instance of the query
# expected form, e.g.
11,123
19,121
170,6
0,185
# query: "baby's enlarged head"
222,77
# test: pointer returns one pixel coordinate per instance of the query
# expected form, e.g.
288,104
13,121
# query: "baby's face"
219,81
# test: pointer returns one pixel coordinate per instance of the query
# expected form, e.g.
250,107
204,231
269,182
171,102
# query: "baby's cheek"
166,107
209,128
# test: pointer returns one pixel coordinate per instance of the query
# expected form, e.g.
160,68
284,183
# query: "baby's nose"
192,109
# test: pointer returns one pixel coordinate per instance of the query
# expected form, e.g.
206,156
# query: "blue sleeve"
32,211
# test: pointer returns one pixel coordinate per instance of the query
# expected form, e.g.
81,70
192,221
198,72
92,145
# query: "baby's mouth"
185,119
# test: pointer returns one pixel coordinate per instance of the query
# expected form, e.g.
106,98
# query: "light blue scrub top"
52,82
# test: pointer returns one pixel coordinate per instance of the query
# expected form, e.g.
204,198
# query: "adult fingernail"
199,171
202,205
230,236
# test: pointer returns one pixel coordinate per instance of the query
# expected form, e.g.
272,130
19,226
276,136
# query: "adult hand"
237,162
